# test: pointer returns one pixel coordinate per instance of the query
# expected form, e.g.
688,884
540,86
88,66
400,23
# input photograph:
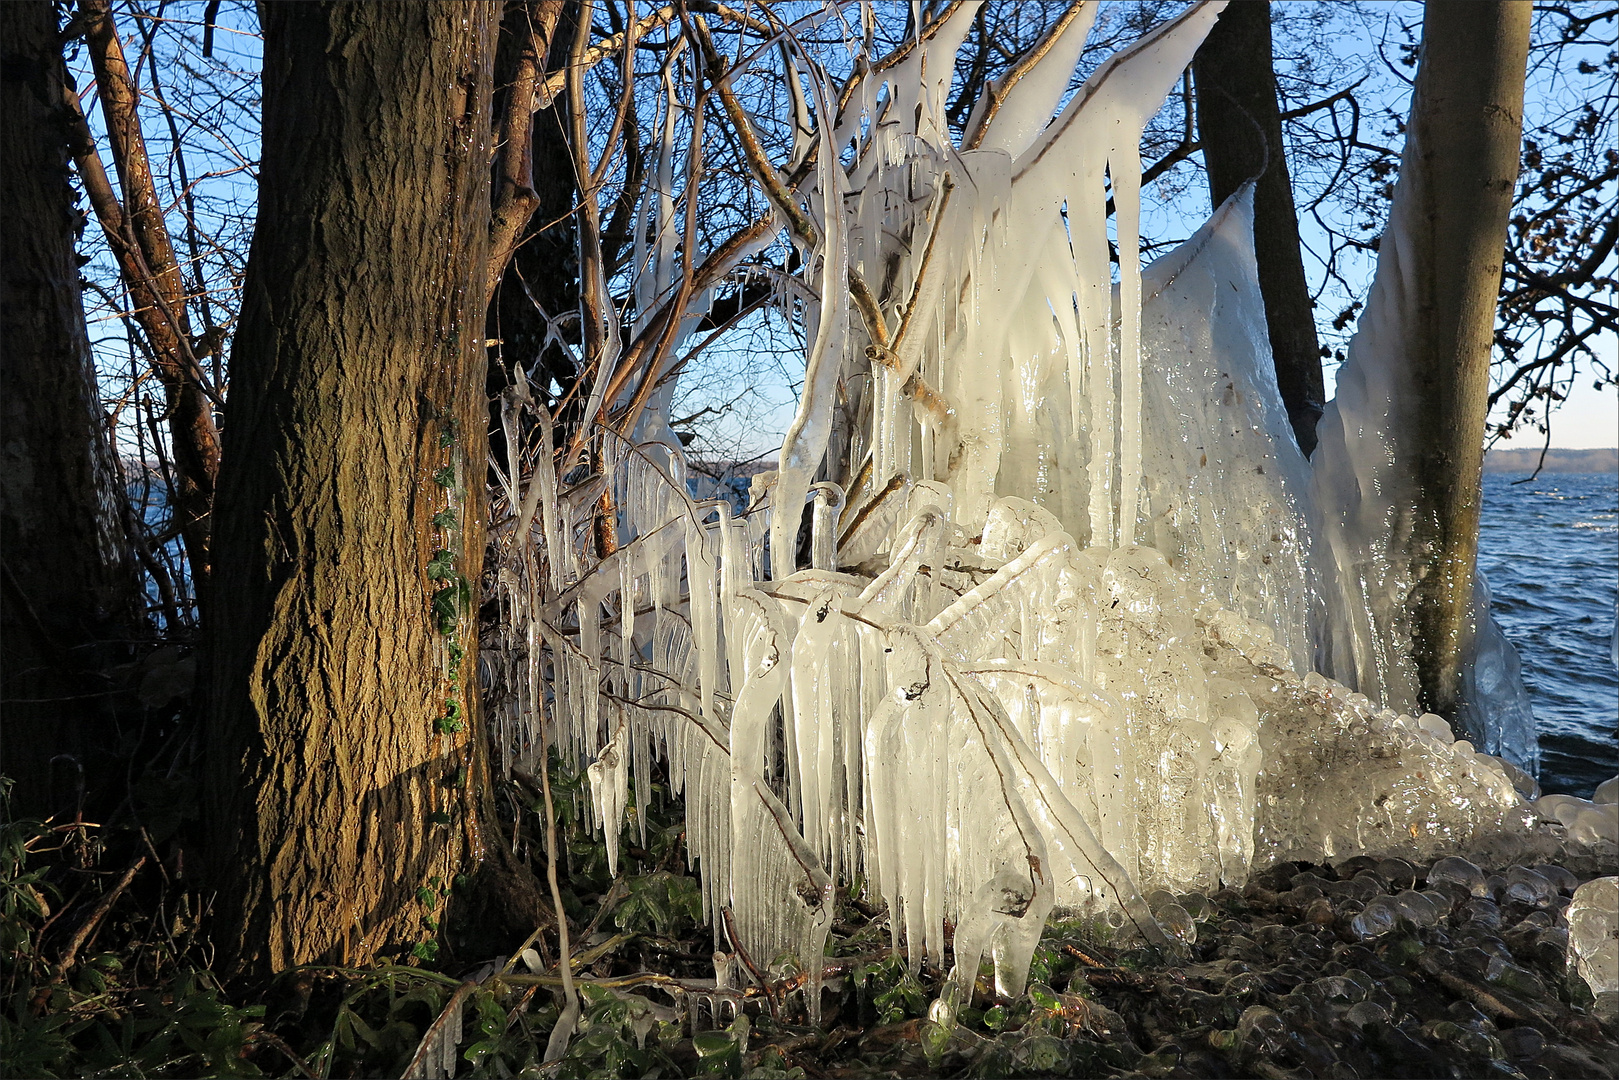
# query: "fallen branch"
83,933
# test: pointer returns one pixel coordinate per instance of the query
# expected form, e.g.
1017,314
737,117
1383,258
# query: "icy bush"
1055,644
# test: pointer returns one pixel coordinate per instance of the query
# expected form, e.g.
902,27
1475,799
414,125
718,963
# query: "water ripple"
1549,549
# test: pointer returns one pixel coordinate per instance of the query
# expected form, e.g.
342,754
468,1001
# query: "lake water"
1550,548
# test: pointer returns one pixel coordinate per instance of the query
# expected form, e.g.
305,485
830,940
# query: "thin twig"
747,961
558,1043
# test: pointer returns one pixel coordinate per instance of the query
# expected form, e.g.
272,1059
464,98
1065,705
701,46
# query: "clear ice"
1593,940
1056,644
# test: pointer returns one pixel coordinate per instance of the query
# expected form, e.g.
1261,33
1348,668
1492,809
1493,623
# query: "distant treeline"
1557,461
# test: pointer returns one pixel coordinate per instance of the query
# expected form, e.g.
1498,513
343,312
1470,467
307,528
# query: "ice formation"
1593,940
1055,643
1368,510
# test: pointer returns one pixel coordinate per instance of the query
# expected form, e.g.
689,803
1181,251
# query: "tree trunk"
1240,127
1466,125
342,762
539,278
69,583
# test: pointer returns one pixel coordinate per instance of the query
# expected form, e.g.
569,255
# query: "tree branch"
515,198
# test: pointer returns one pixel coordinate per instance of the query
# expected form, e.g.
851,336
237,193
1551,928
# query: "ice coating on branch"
1054,644
1027,106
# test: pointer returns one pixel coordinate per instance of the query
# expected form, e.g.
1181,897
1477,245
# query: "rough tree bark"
341,781
1240,128
69,584
1466,125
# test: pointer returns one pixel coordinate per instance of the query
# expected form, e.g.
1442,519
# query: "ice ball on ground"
1607,791
1559,877
1434,724
1416,907
1588,823
1522,782
1379,916
1554,807
1527,887
1338,991
1177,922
1481,912
1444,903
1367,1014
1459,871
1320,912
1514,978
1598,824
1593,934
1397,872
1522,1043
1261,1028
1198,907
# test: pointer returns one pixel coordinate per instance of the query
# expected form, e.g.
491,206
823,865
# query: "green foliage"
376,1024
452,721
620,1035
98,1026
450,603
25,896
507,1037
890,988
97,1017
661,903
442,566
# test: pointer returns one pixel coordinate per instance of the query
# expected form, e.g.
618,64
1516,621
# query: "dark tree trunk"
541,279
1466,128
1240,127
341,781
69,584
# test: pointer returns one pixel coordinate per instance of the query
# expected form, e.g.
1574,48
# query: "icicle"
609,790
805,442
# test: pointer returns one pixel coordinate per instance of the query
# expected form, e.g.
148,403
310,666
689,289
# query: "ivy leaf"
712,1043
450,602
1044,997
442,566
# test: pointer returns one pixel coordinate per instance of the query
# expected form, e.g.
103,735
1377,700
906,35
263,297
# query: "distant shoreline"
1523,461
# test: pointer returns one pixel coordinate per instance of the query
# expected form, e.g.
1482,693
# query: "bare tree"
137,232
